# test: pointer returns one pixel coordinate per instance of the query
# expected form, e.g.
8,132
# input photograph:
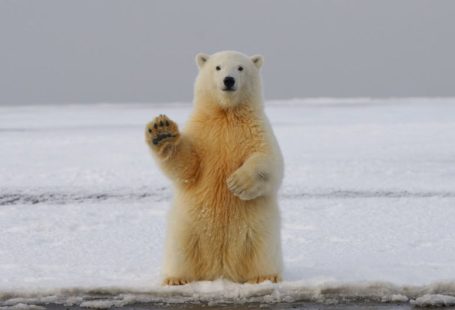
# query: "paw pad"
161,129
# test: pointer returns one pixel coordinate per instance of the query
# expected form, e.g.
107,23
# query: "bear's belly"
227,233
223,225
211,193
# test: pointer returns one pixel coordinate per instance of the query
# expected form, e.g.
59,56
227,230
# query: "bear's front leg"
253,178
174,151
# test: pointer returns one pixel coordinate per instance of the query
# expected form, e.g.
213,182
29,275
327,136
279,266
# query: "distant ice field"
368,205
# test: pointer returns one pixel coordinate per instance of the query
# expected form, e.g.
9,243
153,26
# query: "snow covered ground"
368,205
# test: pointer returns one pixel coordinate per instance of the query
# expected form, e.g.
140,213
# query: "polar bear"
226,167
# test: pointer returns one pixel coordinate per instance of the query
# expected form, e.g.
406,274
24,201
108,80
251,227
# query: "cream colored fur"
227,167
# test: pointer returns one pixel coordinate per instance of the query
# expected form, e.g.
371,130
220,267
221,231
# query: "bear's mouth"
230,89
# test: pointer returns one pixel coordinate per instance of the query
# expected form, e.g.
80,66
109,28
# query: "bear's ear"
201,59
258,60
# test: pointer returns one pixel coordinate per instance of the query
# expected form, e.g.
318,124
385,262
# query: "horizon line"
296,100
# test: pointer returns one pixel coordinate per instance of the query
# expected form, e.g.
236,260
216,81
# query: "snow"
434,300
367,203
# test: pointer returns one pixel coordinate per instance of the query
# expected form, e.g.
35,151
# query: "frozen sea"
368,205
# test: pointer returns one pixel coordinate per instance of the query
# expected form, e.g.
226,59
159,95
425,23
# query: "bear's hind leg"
265,265
175,270
176,266
185,259
255,260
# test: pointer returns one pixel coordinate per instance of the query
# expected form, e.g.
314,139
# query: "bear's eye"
218,68
240,68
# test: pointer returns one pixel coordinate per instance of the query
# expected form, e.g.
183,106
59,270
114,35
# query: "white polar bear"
227,168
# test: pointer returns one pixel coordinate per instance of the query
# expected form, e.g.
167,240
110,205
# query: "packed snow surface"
368,205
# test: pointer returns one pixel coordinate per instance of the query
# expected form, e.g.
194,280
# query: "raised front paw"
246,184
161,130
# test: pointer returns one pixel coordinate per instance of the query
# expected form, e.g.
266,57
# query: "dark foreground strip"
162,195
276,306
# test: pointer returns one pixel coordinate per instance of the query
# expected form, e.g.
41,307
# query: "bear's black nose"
229,82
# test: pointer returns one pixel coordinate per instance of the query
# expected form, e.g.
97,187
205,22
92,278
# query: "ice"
368,203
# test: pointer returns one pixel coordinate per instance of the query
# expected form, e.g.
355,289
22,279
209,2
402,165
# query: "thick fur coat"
227,168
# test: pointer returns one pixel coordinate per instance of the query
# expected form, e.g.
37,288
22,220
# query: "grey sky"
143,51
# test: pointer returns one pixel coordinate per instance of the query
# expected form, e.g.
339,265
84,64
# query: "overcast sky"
143,51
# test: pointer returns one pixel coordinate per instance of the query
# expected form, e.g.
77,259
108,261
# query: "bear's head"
229,79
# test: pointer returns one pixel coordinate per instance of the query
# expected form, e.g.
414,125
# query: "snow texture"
368,205
432,300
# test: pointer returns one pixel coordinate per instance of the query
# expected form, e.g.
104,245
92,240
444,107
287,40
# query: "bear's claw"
175,281
274,278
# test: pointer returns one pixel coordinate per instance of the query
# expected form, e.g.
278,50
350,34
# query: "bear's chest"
224,146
